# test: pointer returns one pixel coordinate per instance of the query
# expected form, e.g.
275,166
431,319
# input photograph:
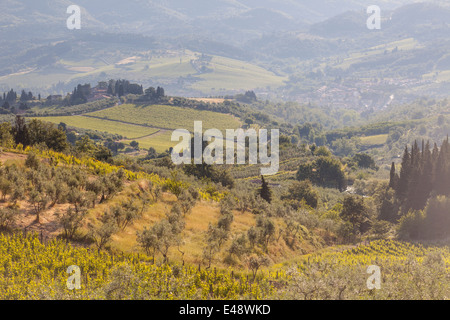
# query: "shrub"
410,226
302,191
32,161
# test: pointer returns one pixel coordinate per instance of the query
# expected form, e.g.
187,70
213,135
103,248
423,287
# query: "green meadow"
150,125
129,131
166,117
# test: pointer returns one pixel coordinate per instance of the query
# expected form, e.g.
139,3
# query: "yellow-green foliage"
407,271
32,270
95,166
102,168
374,140
380,250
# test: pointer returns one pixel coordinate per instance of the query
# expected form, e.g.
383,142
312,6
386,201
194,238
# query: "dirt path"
157,133
47,226
125,122
5,156
154,134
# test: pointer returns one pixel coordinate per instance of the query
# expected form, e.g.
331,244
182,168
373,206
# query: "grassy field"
374,140
193,234
159,141
440,76
236,75
126,130
151,126
167,117
405,44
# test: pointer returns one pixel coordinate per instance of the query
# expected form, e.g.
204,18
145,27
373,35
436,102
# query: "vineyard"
30,269
381,251
160,141
408,271
129,131
150,125
167,117
136,233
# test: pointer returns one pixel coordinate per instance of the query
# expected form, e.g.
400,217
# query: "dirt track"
5,156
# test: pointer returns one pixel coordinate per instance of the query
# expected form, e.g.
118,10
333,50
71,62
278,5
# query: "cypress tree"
405,176
414,184
121,91
20,131
442,170
425,185
415,155
265,191
389,207
414,191
23,96
393,181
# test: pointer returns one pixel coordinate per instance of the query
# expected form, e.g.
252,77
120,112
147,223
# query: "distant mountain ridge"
410,18
290,39
172,17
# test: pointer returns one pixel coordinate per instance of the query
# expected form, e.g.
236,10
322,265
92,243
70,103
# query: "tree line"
418,195
424,172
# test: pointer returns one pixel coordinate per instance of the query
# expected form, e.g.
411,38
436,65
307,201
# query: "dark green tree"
356,212
264,191
301,191
393,177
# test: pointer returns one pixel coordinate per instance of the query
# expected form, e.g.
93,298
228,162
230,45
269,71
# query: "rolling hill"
181,72
150,125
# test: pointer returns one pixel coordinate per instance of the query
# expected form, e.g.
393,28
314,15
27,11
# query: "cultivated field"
129,131
150,125
160,141
166,117
229,74
374,140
